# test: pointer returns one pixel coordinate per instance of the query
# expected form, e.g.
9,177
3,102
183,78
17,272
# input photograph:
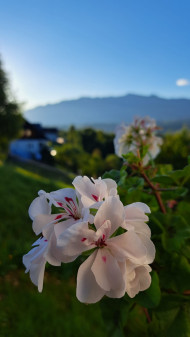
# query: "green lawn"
23,311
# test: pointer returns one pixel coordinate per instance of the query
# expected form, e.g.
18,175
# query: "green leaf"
177,231
175,273
137,322
186,171
115,314
179,192
180,176
157,220
131,158
181,267
176,175
181,324
113,174
171,301
163,179
134,183
163,169
160,322
185,250
184,210
123,176
175,243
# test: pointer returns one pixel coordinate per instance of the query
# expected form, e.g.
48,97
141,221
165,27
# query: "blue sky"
56,50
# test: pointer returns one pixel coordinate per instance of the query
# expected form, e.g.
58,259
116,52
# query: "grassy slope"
23,311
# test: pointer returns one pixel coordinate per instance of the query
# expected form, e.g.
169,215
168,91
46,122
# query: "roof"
33,131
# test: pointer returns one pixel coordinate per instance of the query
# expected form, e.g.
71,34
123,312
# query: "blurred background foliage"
175,148
91,152
87,152
10,114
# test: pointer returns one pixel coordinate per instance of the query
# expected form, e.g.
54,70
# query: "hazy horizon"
105,96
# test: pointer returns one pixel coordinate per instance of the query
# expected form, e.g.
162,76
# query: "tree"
175,149
10,115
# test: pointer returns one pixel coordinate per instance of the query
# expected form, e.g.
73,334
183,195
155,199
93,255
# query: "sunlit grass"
27,173
30,174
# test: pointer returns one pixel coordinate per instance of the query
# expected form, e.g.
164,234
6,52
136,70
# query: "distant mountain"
109,110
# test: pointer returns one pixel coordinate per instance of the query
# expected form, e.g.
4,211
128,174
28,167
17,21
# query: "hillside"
109,110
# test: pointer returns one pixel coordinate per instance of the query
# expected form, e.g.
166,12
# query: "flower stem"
147,314
155,191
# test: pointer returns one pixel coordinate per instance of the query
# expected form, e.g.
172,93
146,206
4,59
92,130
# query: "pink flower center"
70,208
100,243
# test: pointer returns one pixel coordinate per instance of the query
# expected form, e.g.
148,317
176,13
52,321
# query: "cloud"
182,82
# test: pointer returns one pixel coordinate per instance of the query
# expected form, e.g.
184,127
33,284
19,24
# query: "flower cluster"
138,136
92,218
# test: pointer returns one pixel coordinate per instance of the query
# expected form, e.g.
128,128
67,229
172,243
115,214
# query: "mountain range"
109,111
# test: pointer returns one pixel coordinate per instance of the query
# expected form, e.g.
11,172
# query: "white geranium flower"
94,191
133,137
36,259
120,141
53,225
104,270
154,149
65,199
118,264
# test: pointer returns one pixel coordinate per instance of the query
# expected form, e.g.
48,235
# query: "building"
33,142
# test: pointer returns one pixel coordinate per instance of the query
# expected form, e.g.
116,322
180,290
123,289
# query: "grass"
54,312
23,311
18,187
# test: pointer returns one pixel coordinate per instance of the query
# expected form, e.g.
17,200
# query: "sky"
58,50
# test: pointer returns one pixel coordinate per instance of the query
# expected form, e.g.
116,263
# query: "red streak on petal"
95,197
68,211
68,199
104,258
45,240
58,217
60,204
103,236
83,239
